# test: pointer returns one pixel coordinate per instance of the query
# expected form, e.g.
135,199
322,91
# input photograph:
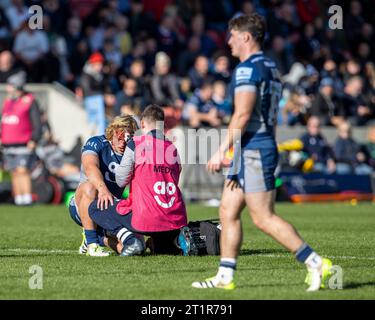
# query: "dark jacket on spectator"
325,108
123,99
369,149
349,105
346,150
196,79
317,148
91,83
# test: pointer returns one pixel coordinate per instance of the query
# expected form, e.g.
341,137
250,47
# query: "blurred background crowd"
121,55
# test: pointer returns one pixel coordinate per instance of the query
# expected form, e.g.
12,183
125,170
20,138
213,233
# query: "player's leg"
85,194
232,203
103,239
107,240
74,214
259,185
21,185
16,188
118,226
24,180
18,165
24,163
260,205
261,210
113,243
231,206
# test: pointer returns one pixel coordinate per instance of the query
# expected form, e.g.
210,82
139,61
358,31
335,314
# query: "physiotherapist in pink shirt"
151,165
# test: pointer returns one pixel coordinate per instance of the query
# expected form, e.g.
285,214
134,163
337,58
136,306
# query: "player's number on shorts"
163,188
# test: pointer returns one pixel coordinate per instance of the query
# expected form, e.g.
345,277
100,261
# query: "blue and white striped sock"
308,256
124,234
226,270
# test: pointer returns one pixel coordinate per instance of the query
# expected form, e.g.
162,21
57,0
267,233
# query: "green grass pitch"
46,236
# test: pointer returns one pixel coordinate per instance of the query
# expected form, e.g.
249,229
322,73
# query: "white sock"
226,270
18,199
314,261
27,198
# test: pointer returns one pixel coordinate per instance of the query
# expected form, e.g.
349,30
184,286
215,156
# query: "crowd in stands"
345,156
124,54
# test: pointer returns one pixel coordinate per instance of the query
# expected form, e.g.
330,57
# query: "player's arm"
36,124
125,170
244,102
90,164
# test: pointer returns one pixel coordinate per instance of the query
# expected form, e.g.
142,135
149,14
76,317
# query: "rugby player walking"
256,90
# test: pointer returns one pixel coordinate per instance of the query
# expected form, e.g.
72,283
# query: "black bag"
46,188
206,236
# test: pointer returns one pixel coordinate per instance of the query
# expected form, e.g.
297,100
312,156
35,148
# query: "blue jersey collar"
258,53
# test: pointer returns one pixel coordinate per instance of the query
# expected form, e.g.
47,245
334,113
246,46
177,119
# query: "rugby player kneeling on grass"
155,208
100,157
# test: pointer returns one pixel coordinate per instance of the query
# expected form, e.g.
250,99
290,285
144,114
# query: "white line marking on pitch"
40,250
52,251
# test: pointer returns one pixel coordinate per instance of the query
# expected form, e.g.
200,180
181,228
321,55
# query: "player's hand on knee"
104,198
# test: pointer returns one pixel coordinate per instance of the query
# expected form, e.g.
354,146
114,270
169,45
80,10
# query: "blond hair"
124,123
